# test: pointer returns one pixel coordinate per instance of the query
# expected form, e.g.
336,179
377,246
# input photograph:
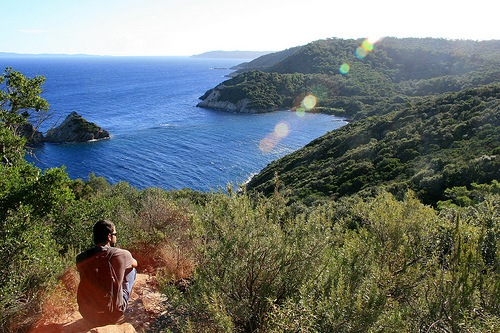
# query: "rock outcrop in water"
76,129
32,135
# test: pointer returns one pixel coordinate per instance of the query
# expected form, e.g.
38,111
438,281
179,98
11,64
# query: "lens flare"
360,53
344,69
281,129
266,145
367,46
309,102
301,112
320,92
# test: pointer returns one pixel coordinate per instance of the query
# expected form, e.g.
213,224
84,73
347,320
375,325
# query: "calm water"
159,137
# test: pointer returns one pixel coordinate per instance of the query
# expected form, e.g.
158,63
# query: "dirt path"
60,312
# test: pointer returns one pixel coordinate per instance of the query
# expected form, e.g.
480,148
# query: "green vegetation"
82,124
380,78
435,145
354,265
264,61
390,223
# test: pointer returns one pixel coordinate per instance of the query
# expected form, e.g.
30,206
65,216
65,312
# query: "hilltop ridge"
231,54
355,79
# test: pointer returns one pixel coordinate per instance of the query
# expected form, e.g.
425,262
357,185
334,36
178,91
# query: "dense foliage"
27,197
435,145
356,79
354,265
264,61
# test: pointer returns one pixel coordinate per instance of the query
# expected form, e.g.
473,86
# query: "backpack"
98,289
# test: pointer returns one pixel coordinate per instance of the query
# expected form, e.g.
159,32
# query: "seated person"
107,275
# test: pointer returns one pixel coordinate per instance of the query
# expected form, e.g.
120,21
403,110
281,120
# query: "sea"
159,137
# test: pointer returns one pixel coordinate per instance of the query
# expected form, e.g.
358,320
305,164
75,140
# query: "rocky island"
75,129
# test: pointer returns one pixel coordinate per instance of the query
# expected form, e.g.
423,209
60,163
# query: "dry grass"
166,246
160,244
61,304
166,260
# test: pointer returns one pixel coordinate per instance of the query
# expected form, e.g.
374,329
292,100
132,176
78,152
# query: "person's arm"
134,263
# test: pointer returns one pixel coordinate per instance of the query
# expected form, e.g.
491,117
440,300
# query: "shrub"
253,255
30,264
161,236
404,268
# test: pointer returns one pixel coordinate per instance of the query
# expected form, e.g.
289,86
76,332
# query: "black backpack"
98,289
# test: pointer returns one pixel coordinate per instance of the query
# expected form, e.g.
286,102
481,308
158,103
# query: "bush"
161,237
403,269
253,255
30,264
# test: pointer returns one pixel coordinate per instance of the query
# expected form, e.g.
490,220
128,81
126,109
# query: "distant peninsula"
354,79
231,54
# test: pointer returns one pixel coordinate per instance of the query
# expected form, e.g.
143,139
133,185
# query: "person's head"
104,232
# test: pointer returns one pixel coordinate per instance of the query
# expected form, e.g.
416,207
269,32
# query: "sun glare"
281,130
309,102
366,47
344,68
372,40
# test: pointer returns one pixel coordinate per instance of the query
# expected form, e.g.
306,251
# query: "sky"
187,27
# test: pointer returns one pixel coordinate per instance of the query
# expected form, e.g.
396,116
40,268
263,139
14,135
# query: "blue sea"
159,138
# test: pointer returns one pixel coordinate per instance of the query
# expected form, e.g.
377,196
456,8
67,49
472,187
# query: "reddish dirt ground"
60,312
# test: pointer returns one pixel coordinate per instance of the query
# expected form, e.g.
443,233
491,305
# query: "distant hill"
231,54
10,55
430,147
265,61
355,79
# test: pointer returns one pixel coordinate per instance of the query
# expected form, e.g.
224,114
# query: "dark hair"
102,229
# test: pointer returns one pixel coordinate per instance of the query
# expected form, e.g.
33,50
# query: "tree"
21,183
20,101
28,199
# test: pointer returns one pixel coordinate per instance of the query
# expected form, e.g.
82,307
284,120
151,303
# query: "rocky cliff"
211,100
76,129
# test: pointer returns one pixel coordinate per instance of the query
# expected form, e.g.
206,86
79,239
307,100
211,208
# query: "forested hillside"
431,147
356,78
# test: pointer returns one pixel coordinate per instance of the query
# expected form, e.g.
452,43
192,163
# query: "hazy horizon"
191,27
107,55
190,55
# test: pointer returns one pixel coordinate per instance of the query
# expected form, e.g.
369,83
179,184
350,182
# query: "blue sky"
186,27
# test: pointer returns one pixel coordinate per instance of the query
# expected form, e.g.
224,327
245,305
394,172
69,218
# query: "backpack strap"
110,252
114,287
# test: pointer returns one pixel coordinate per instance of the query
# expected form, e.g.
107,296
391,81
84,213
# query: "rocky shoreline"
210,100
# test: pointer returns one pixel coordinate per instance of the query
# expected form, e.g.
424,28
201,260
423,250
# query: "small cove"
159,137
